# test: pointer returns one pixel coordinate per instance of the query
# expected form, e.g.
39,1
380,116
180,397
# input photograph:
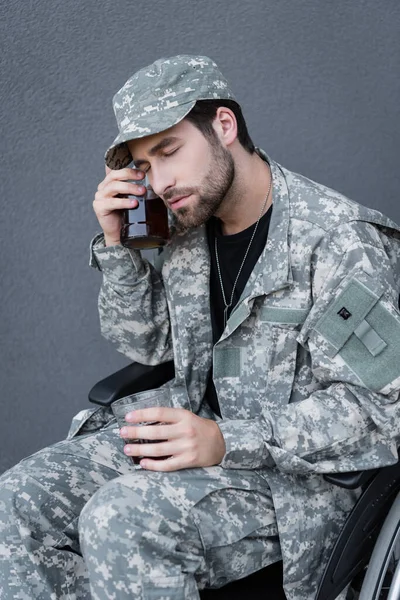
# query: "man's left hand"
186,440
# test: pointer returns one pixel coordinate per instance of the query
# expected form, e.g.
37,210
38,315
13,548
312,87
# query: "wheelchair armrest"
350,481
130,380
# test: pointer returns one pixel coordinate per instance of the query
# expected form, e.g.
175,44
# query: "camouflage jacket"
307,371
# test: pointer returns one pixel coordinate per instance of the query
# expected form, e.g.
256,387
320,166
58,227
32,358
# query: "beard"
211,193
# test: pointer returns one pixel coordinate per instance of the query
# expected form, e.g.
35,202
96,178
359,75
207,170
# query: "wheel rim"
388,585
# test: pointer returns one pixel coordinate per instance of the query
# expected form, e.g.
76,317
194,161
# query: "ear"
225,125
108,170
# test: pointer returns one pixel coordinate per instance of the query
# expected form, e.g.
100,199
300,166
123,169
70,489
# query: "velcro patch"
227,362
366,336
345,314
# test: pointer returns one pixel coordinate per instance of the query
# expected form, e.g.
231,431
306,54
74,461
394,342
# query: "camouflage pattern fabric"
296,401
79,520
160,96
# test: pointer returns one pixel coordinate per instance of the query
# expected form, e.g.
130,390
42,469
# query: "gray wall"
319,83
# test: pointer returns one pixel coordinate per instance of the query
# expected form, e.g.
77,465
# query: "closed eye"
163,156
171,153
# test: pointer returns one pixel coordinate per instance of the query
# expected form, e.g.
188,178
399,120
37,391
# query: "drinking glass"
148,399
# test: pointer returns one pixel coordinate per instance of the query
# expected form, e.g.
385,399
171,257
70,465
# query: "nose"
161,179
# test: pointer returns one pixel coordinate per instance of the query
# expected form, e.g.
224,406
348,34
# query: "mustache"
177,193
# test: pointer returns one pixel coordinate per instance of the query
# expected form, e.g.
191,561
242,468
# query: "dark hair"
203,114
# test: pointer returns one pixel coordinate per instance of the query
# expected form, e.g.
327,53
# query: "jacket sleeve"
132,303
353,335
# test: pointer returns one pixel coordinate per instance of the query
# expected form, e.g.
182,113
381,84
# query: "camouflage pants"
79,520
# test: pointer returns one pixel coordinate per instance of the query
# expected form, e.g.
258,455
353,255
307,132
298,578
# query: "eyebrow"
167,141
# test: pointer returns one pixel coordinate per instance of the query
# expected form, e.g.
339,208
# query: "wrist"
109,241
220,447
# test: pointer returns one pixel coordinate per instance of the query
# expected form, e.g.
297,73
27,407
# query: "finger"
161,414
173,463
104,206
107,177
161,449
122,187
150,432
121,175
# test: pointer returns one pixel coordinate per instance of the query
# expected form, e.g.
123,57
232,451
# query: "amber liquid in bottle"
147,225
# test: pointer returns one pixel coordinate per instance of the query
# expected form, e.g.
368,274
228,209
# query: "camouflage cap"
159,96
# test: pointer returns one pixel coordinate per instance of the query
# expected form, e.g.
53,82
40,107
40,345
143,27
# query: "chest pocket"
285,324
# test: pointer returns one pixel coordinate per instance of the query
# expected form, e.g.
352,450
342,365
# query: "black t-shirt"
231,251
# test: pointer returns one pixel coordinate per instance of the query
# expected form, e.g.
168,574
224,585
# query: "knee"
13,487
109,511
131,507
17,498
33,503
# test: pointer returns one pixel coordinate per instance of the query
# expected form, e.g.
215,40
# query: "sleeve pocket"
359,328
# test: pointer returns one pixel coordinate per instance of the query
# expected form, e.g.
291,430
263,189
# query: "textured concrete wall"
319,84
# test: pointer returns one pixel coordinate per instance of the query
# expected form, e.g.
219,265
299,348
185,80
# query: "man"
277,299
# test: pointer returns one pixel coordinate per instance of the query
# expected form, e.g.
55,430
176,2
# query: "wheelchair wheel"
382,579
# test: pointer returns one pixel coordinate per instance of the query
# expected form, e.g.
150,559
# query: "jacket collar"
272,271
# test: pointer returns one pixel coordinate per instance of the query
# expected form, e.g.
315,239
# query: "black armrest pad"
350,481
130,380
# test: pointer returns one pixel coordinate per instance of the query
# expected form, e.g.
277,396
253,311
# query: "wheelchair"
367,551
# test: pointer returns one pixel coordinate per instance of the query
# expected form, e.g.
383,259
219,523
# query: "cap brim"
118,156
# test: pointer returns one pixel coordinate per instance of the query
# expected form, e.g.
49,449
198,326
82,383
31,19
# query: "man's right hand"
108,206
